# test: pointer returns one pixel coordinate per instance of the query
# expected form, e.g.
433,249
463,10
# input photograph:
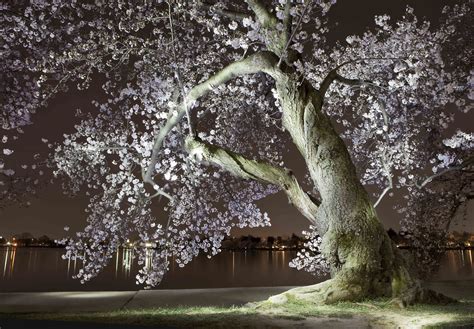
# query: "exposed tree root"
330,292
364,268
417,294
326,292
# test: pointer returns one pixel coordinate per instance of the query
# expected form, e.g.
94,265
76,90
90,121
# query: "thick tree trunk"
364,262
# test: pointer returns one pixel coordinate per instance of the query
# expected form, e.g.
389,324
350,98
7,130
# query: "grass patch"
179,317
457,324
377,313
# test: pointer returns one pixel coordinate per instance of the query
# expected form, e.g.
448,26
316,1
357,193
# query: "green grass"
380,314
180,317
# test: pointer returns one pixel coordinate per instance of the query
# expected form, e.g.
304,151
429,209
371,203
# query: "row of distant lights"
128,244
152,245
147,244
13,244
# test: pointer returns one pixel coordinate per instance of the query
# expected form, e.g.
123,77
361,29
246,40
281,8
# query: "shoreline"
94,301
230,249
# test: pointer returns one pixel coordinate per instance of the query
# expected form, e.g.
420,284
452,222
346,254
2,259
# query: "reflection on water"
9,262
456,264
43,269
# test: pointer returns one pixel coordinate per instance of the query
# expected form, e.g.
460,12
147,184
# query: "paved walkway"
54,302
46,324
458,289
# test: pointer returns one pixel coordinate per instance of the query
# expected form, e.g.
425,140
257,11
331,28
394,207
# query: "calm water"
42,269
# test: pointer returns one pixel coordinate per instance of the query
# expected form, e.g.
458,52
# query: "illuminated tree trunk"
354,241
363,260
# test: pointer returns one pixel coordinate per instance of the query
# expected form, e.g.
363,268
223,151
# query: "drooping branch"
259,62
240,166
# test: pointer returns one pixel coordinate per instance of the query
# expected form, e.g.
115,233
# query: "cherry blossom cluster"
310,258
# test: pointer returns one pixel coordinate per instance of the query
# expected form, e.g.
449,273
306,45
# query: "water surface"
43,269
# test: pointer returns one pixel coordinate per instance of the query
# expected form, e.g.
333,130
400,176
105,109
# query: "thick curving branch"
259,62
240,166
276,40
265,18
333,75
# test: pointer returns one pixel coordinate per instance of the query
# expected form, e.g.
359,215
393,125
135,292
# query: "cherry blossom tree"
205,97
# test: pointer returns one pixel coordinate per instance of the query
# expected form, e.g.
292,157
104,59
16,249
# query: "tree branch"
265,18
387,188
259,62
276,40
467,162
162,193
298,23
287,19
178,71
384,158
235,15
334,76
240,166
352,82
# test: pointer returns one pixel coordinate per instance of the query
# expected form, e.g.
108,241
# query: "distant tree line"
248,242
27,239
401,239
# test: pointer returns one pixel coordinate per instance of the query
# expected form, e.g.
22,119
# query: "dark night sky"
52,211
